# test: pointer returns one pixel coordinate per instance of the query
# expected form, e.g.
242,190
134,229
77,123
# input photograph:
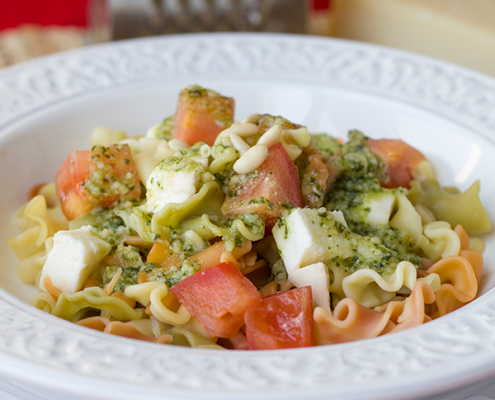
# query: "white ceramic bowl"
47,109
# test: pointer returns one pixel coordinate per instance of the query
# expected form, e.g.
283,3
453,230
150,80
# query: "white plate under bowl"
47,109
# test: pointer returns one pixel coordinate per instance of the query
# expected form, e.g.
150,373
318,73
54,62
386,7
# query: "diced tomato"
400,158
218,297
97,177
281,321
202,114
272,186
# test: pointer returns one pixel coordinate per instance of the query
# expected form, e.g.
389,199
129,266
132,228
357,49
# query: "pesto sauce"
165,129
127,278
279,272
351,195
253,222
328,145
103,181
175,275
109,223
354,251
211,102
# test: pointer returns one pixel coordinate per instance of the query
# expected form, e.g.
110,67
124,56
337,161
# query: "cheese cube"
73,259
461,31
316,276
304,238
174,180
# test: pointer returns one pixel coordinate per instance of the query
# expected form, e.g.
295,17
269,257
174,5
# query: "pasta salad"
211,233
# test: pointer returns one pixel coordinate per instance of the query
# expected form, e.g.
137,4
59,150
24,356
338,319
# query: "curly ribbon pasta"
352,321
459,284
407,218
337,276
224,155
370,289
446,204
142,292
130,331
414,307
184,337
43,301
247,261
425,214
39,223
441,231
474,257
463,237
162,313
439,240
145,326
208,200
476,260
96,323
36,214
71,306
118,328
30,267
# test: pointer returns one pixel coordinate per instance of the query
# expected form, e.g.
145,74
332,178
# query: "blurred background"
461,31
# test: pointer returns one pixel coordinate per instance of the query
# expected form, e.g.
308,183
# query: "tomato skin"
77,169
277,181
281,321
314,179
202,114
218,297
68,179
400,158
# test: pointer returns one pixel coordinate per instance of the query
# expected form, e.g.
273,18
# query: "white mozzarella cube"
380,208
304,238
172,181
316,276
73,259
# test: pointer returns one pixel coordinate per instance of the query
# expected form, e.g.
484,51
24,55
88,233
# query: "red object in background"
43,12
321,5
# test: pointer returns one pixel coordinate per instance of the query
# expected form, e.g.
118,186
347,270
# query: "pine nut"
252,159
301,136
253,119
177,144
240,145
243,130
271,136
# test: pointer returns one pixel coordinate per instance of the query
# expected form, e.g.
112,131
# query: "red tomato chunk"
281,321
400,158
97,177
265,191
218,297
202,114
